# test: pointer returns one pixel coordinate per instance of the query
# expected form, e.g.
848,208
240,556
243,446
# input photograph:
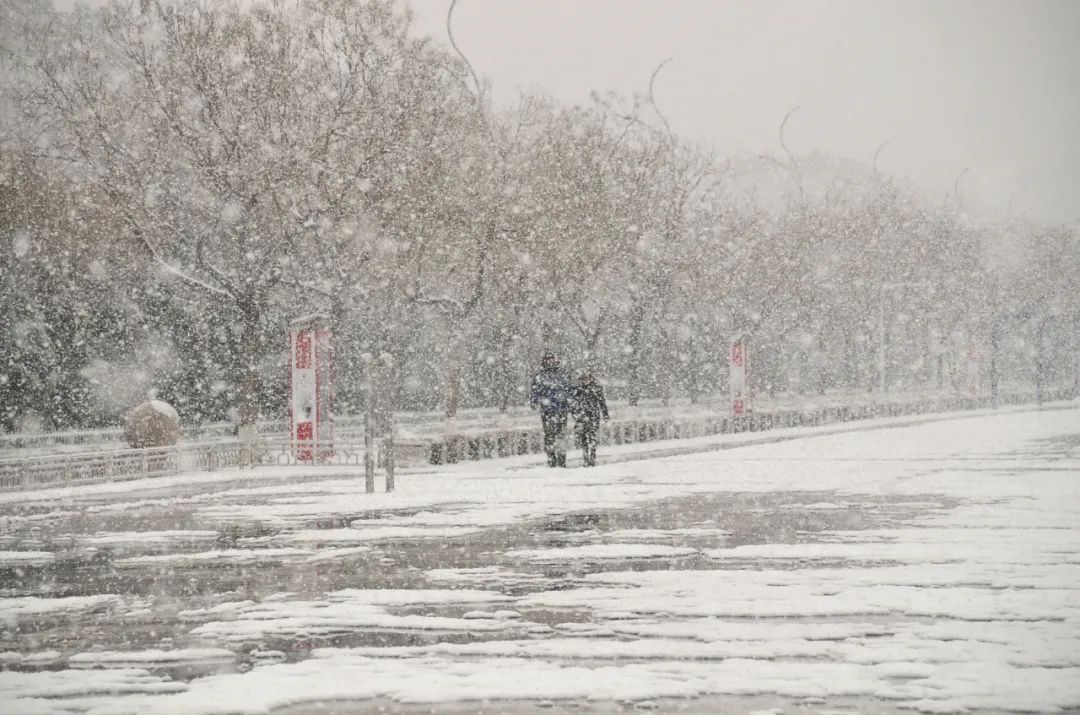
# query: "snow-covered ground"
934,565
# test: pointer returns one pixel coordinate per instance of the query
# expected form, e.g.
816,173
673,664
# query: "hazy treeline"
180,179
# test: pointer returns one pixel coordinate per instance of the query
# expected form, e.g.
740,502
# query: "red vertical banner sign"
303,398
311,388
737,378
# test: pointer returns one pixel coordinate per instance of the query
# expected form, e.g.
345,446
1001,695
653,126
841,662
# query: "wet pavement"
194,561
174,587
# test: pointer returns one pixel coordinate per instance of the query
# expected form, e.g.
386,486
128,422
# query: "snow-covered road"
931,566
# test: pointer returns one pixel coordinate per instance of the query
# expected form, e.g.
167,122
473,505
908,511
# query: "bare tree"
240,147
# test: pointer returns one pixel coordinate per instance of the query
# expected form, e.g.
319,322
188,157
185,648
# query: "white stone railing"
650,427
39,471
644,425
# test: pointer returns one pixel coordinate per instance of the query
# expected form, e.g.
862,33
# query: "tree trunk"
1040,361
693,367
506,366
637,340
995,344
1076,356
453,386
667,380
453,389
251,342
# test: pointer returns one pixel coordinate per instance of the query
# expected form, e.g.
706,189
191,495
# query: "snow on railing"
345,426
119,465
642,424
650,425
431,424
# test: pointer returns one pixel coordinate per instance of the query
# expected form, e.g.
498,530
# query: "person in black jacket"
553,393
589,408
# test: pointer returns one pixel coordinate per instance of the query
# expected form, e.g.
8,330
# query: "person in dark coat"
552,392
589,408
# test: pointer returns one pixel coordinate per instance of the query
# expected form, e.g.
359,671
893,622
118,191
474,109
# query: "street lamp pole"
881,345
882,383
369,423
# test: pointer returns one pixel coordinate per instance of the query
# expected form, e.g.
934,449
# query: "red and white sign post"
737,378
311,388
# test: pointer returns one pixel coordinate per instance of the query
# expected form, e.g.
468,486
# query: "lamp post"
882,386
369,423
388,419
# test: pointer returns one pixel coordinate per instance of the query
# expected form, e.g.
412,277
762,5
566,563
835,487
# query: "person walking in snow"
589,408
552,392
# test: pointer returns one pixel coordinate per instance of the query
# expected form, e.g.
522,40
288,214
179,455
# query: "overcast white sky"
989,85
992,86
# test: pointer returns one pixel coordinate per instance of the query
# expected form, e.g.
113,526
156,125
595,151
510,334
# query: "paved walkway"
934,565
